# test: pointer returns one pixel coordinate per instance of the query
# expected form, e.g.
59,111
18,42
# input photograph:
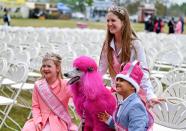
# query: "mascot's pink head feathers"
85,64
90,83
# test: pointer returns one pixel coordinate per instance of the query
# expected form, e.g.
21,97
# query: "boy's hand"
103,116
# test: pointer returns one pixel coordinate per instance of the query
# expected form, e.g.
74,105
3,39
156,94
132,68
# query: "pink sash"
142,95
54,103
116,64
118,127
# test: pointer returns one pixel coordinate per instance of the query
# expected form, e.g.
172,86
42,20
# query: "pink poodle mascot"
89,94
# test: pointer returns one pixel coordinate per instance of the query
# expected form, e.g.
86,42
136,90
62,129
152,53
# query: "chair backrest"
171,57
8,54
3,46
170,115
157,86
177,89
173,76
22,56
3,66
17,72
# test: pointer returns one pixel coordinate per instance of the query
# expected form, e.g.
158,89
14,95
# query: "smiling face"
114,24
123,87
49,70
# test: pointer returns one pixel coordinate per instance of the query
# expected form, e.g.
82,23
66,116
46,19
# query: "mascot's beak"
74,77
73,80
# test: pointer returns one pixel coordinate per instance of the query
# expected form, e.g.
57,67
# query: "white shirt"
141,57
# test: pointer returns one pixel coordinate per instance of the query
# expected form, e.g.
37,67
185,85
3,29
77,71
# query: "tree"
78,5
183,8
174,10
89,2
161,10
133,7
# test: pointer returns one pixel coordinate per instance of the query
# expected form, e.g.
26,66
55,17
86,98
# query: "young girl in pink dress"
50,99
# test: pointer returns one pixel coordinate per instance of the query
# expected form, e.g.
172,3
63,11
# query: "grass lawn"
64,23
70,24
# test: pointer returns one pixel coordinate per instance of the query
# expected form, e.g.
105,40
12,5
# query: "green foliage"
89,2
161,10
183,8
77,5
176,10
133,8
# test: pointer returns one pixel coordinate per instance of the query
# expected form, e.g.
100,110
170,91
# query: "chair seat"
157,127
5,101
157,75
7,82
26,86
34,74
167,66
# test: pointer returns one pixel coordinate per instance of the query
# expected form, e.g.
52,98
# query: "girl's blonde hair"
57,61
127,35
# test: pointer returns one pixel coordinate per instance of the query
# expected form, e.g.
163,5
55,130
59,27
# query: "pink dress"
178,27
42,113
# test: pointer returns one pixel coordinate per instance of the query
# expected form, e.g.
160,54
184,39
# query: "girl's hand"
154,101
103,116
39,126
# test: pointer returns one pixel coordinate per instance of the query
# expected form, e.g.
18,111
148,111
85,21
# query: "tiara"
116,9
52,56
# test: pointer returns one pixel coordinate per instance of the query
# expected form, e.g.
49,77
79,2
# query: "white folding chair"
18,73
169,116
173,76
177,89
157,86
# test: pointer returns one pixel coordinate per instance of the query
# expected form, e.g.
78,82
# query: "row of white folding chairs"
170,115
51,35
163,62
76,47
11,74
173,84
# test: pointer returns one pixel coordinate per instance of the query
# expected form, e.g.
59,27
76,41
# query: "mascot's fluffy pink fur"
89,93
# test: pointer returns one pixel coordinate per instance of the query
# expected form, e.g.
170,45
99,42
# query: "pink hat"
132,73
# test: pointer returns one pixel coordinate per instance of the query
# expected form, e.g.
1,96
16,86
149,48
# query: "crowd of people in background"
156,24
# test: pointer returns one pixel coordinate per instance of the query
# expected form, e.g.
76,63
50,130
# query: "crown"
116,9
52,56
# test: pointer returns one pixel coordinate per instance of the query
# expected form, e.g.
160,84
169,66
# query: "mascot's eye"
90,69
77,69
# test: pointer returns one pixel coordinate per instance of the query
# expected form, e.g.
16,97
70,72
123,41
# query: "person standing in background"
171,25
158,25
182,21
146,22
179,26
6,17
